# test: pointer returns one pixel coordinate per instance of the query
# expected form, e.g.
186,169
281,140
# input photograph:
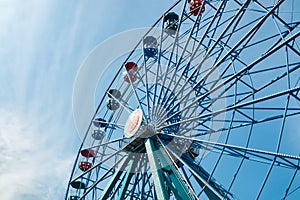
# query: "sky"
42,46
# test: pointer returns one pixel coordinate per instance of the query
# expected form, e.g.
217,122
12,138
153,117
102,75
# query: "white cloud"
30,165
42,45
36,125
22,25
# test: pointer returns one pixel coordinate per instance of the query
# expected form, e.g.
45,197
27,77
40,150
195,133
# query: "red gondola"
131,66
195,6
88,153
132,76
85,166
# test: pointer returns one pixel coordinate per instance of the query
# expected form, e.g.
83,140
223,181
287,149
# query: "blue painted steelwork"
175,96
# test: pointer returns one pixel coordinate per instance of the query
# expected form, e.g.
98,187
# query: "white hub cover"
133,123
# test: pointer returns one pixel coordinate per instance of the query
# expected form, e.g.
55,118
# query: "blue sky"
43,44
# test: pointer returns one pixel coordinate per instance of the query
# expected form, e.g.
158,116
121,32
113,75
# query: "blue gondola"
98,134
78,185
150,46
171,23
112,104
100,123
74,197
114,93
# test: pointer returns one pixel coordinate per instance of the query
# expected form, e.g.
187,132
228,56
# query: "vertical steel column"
173,178
156,170
164,174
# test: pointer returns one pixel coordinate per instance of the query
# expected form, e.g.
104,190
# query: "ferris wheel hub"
135,126
133,123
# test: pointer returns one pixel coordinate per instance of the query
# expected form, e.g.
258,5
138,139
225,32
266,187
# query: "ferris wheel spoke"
100,163
282,38
215,17
138,179
142,189
212,69
249,35
146,183
225,46
293,67
165,73
294,190
135,183
238,74
204,109
135,93
239,125
242,122
147,86
158,65
106,143
234,107
240,11
173,48
287,191
282,34
261,89
277,148
222,153
206,130
187,177
287,160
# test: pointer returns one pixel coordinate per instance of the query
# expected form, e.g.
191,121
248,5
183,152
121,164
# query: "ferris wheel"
205,106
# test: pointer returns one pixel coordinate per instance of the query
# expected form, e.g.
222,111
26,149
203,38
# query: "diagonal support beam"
107,191
212,190
128,176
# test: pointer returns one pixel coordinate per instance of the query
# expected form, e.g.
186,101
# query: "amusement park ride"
206,106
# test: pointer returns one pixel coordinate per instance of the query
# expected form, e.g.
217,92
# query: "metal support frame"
211,189
156,171
127,179
165,174
106,192
167,181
